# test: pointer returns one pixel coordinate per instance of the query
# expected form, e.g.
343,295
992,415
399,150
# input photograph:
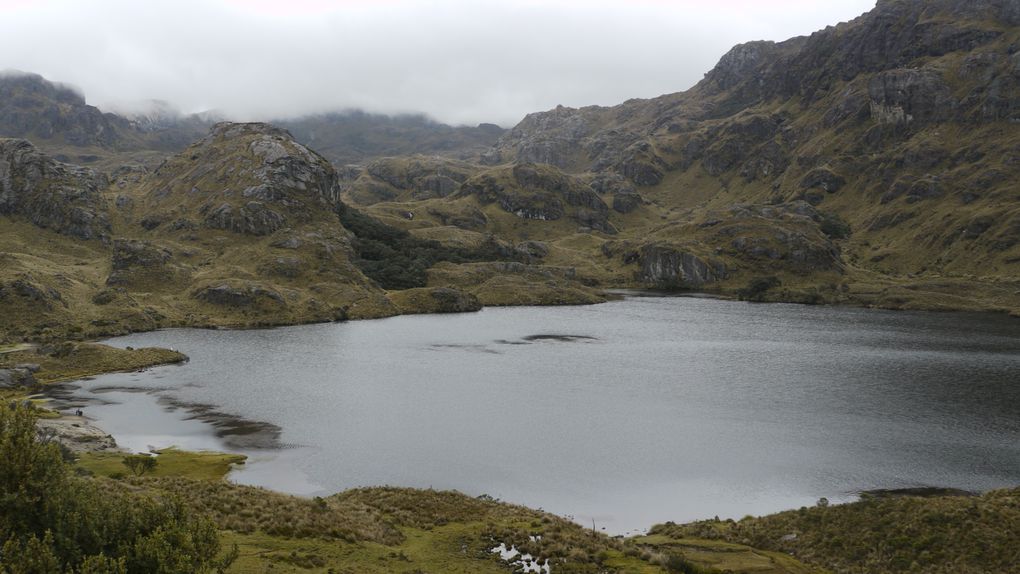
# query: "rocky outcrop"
541,192
32,107
247,295
435,300
135,260
21,376
786,236
27,291
907,96
407,178
77,434
626,202
821,179
252,218
250,179
52,195
666,266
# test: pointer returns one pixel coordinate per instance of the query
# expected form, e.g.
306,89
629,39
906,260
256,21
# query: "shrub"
757,287
49,516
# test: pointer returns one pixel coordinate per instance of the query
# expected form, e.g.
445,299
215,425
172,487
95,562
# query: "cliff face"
33,108
52,195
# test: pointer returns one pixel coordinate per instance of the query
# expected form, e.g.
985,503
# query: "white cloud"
461,61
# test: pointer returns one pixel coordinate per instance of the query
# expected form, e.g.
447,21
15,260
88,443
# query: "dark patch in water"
505,342
559,338
62,397
116,389
236,432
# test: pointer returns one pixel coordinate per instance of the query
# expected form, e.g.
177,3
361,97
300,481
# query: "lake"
628,413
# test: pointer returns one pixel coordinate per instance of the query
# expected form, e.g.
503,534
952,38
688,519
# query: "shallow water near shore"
628,413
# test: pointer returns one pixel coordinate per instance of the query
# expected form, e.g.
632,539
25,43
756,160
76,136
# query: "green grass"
171,462
452,548
888,535
74,361
725,556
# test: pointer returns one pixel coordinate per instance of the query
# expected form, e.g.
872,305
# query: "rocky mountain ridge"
874,163
896,128
57,119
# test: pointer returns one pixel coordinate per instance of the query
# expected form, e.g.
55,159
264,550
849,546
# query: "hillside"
243,228
355,137
874,162
57,119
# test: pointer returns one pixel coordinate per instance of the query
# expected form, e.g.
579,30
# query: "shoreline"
87,431
863,300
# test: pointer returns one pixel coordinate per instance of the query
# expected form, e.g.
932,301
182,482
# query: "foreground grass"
941,534
389,530
383,530
170,462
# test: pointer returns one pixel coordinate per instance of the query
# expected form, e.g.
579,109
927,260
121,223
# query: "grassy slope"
960,534
910,252
406,530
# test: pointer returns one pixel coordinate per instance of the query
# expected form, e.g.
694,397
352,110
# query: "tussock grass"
884,534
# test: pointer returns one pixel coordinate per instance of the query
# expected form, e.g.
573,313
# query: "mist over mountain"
459,61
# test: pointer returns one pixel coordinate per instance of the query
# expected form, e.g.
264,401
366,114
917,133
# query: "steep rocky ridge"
355,137
31,107
239,229
52,195
57,119
245,227
874,162
897,129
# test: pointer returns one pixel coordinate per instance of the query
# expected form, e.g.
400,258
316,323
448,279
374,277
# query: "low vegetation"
52,521
883,534
167,462
69,360
395,259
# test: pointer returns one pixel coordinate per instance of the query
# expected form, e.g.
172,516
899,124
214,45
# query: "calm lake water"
629,413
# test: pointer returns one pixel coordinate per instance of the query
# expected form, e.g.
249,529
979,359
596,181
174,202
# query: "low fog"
459,61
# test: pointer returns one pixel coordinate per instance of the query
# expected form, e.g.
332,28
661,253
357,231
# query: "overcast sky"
460,61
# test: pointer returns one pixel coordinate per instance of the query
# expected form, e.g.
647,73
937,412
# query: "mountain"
245,227
873,162
32,107
57,119
355,137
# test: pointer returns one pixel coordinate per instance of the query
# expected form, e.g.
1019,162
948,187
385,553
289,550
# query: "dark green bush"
395,259
757,287
52,520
